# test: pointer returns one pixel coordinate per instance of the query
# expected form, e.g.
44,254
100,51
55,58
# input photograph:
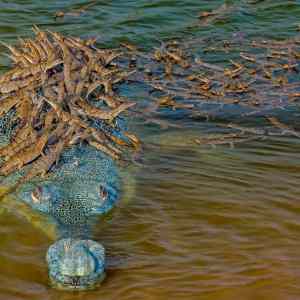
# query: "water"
203,223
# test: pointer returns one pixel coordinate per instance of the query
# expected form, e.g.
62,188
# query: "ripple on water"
215,222
205,223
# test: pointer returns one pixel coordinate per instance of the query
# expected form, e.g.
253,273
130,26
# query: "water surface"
203,223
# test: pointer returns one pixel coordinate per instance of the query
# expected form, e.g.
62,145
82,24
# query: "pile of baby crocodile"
257,75
62,91
253,79
58,88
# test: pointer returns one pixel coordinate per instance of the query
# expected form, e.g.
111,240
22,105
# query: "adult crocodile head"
84,186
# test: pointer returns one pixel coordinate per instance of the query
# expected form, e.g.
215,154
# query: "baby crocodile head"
76,264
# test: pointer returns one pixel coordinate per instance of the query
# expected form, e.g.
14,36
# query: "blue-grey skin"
84,186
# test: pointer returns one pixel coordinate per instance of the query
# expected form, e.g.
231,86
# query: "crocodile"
60,139
67,205
85,186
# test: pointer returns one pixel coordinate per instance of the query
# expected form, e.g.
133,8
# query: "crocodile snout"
76,264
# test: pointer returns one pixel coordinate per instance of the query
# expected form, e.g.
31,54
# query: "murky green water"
204,223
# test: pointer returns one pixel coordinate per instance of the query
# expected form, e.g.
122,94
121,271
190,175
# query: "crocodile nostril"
75,280
36,195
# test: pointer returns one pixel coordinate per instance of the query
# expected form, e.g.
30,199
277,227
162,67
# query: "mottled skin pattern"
84,186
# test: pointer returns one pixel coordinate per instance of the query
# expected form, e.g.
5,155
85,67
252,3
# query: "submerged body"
85,185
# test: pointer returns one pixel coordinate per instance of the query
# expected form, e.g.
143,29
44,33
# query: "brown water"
204,224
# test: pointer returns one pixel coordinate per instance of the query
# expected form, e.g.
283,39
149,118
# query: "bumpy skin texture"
76,264
84,185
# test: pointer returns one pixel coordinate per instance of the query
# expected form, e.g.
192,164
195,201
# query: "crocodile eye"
36,195
103,193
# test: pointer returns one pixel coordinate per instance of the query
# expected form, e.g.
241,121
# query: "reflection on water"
204,223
